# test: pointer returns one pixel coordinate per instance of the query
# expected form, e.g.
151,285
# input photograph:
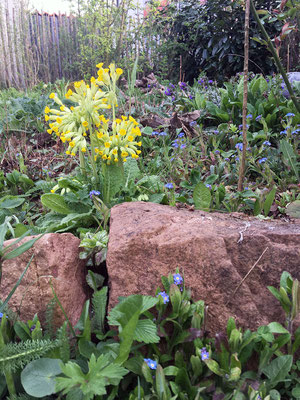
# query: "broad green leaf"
202,197
278,369
56,203
289,155
275,395
12,202
146,331
296,391
162,389
214,367
269,201
126,337
38,377
170,371
276,327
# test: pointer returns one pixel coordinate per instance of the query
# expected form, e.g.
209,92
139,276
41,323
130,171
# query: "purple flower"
237,158
216,132
169,185
168,92
165,297
201,81
180,135
210,81
239,146
183,146
267,143
182,85
249,116
178,280
151,363
94,193
262,160
226,159
191,97
217,152
171,86
258,118
173,98
204,354
208,186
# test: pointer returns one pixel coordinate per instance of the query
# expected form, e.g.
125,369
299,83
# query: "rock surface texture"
214,250
56,259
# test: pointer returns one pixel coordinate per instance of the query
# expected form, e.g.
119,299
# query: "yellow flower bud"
52,95
47,110
83,149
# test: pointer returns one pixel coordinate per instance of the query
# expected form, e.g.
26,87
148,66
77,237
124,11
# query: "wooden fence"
35,47
38,47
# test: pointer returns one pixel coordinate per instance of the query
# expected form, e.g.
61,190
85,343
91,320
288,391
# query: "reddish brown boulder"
214,250
56,260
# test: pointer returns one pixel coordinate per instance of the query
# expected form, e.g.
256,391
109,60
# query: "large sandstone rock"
215,251
56,260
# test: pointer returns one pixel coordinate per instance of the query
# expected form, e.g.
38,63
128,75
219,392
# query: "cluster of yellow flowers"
113,141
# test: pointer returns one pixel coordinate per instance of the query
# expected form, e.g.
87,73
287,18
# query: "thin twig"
248,273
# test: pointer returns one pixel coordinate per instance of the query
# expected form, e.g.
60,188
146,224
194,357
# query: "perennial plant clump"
85,128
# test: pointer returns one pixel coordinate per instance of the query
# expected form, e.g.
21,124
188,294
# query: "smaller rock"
56,261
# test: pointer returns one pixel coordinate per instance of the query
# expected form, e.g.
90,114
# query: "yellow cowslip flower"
99,135
124,154
84,134
69,93
107,145
100,152
122,132
77,84
93,79
68,139
130,138
109,106
83,149
99,65
49,131
52,95
47,110
63,139
118,121
68,152
104,157
116,159
124,159
72,154
55,129
72,144
116,105
85,123
115,151
59,120
123,117
50,125
47,117
72,108
62,108
139,143
119,71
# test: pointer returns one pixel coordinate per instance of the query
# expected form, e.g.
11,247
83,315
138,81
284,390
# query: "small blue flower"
173,98
204,354
282,86
237,158
171,86
216,132
175,144
208,186
183,146
267,143
217,152
168,92
169,185
258,118
241,126
201,81
210,81
172,158
191,97
182,85
290,115
262,160
249,116
32,328
151,363
162,134
154,133
283,132
1,316
180,135
178,280
226,159
94,193
165,297
239,146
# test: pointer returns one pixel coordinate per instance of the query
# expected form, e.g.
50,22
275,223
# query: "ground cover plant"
157,348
